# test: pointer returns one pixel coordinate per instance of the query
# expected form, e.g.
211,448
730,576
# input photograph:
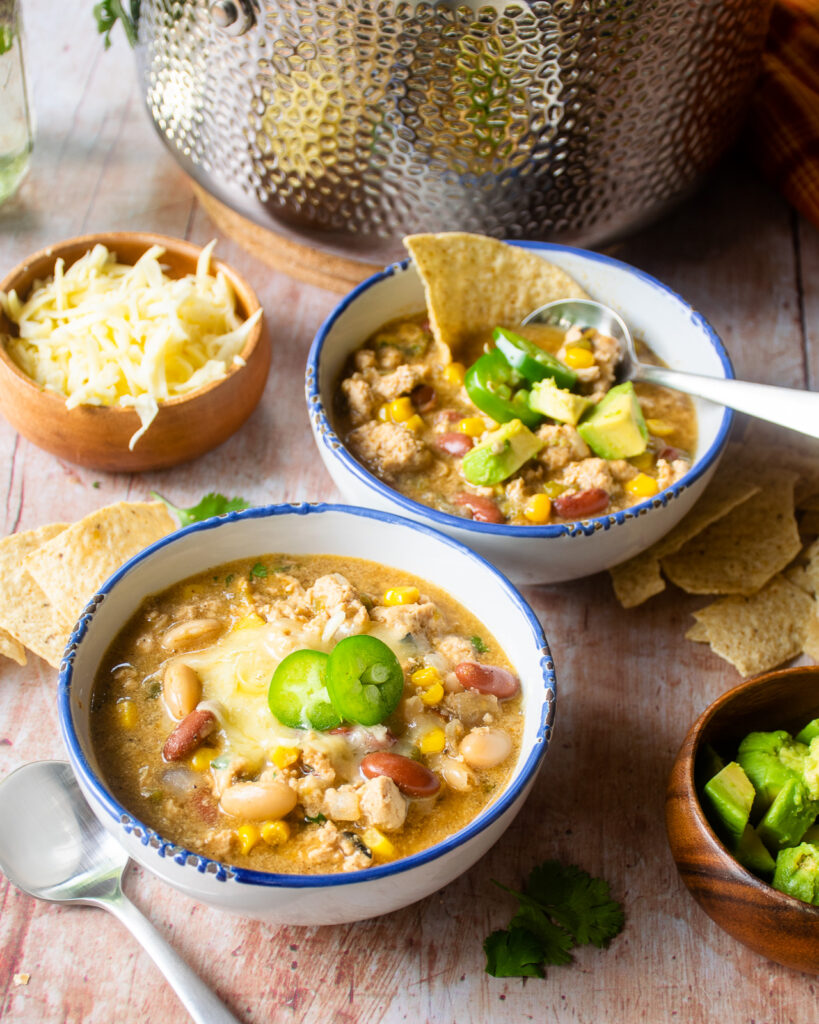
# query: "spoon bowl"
787,407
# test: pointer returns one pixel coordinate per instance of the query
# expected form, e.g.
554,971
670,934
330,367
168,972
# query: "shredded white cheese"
106,333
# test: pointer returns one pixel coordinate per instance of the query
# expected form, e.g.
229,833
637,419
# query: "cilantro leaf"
211,505
109,12
579,903
259,571
555,942
478,644
513,954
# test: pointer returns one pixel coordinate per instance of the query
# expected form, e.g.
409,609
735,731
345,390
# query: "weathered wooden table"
629,684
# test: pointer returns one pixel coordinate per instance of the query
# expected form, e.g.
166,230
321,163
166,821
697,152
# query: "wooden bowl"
97,436
779,927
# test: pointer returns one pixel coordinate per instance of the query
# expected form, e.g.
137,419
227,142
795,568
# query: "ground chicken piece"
421,617
595,380
587,474
342,804
562,445
669,473
359,398
221,842
471,707
335,594
316,761
622,470
455,649
388,357
517,493
328,844
310,791
382,804
392,385
388,448
364,358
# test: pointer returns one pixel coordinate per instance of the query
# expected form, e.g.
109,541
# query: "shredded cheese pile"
106,333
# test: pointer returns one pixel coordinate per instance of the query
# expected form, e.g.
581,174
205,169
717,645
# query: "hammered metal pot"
349,123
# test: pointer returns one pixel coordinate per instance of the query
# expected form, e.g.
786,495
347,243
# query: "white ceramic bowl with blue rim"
310,529
532,554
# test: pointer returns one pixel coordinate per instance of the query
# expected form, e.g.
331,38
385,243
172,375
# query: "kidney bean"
669,454
483,510
454,444
585,503
181,688
258,801
190,732
490,679
411,777
424,397
185,633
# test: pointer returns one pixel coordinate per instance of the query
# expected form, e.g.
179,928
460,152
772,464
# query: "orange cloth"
784,119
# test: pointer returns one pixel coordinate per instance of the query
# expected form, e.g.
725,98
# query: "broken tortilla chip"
698,633
758,633
811,645
26,613
74,564
472,281
11,648
741,551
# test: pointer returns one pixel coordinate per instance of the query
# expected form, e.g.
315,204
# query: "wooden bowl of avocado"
741,812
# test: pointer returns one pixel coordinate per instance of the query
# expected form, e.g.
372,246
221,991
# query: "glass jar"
16,136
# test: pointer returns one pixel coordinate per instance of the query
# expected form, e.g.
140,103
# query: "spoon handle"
203,1006
797,410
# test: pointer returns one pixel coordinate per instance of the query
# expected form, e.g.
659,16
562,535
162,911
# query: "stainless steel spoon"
796,410
52,847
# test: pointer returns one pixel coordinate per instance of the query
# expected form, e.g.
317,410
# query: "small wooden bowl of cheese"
129,364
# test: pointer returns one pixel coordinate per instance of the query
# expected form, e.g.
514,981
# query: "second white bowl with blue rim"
679,335
304,530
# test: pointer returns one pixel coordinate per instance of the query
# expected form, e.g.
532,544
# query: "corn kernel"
401,595
642,486
472,426
126,713
538,508
660,428
552,489
201,759
383,413
283,757
248,836
249,621
643,461
415,424
401,409
275,833
433,695
454,373
433,742
578,358
426,676
378,844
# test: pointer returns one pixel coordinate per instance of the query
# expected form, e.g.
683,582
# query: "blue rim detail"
222,872
325,435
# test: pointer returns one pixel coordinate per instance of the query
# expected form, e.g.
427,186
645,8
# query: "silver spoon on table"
52,847
796,410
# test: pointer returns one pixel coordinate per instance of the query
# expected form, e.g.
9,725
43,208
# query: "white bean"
183,634
456,774
181,688
486,748
258,801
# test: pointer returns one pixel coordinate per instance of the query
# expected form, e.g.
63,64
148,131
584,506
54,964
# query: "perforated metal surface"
354,122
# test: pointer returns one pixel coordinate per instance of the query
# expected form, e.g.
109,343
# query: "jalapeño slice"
491,384
364,679
298,694
531,361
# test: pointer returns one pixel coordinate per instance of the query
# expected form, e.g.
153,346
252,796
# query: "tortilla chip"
798,576
758,633
26,614
72,566
698,633
472,282
639,578
739,553
811,557
12,648
811,646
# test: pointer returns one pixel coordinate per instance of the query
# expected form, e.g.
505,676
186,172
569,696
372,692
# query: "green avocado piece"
615,428
547,398
708,764
770,760
810,768
797,872
501,454
752,853
809,732
789,816
731,795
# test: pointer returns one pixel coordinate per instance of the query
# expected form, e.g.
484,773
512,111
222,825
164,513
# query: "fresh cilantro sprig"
109,12
478,644
211,505
561,907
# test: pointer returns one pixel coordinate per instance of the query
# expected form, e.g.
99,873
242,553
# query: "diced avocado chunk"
708,764
558,404
752,853
789,816
810,769
809,732
615,428
770,760
797,872
501,454
731,795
